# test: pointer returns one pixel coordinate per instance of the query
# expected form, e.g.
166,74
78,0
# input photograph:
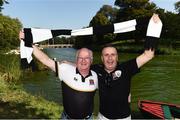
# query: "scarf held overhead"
34,35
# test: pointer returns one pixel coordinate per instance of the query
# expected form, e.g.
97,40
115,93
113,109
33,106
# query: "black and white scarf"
34,35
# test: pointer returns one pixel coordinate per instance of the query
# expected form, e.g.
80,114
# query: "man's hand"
155,18
154,26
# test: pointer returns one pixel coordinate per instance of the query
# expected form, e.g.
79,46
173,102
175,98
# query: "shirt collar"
102,65
83,78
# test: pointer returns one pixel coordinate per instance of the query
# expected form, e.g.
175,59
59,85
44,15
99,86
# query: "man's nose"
83,60
109,57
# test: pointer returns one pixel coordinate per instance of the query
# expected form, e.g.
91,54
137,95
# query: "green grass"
10,67
15,102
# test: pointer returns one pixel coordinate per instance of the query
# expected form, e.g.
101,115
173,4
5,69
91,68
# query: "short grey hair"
90,53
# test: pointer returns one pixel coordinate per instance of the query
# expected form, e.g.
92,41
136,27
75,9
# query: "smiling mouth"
110,63
84,64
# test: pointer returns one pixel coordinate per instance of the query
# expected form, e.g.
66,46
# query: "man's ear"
102,58
91,61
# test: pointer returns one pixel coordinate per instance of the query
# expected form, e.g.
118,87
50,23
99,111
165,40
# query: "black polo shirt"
114,89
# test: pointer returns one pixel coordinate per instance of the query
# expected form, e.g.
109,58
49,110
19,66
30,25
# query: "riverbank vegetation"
15,102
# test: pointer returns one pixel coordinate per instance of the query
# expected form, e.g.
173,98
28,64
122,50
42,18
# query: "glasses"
85,58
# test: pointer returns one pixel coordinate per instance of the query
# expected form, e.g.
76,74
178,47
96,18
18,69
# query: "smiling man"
114,79
79,82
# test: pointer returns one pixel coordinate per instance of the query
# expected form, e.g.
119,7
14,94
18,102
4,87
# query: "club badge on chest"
117,74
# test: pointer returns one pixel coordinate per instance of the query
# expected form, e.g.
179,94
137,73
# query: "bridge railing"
57,46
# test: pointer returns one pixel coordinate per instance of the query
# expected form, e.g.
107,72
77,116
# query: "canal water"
159,80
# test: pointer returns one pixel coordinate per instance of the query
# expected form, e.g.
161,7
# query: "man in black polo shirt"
114,78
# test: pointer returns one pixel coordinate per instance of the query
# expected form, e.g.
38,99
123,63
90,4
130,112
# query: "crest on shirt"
117,74
91,82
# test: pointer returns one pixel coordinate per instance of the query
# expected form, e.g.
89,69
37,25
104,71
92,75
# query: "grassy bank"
15,102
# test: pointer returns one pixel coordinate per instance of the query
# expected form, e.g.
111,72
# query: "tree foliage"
2,3
108,12
9,29
171,26
130,9
177,6
106,15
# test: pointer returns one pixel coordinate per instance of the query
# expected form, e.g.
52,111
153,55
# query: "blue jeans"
64,116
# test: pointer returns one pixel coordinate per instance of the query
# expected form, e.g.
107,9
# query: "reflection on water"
158,80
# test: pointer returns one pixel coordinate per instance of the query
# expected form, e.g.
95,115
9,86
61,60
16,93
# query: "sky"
62,14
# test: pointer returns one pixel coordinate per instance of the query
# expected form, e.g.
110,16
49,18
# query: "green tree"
2,3
9,29
172,26
106,15
98,20
177,6
130,9
109,12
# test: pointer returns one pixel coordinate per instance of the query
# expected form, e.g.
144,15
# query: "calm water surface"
159,80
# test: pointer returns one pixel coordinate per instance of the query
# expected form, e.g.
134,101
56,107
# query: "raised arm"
41,56
153,33
145,57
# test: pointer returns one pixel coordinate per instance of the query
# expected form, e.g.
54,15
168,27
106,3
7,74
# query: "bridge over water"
57,46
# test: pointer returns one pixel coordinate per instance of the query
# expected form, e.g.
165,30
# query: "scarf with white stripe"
34,35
